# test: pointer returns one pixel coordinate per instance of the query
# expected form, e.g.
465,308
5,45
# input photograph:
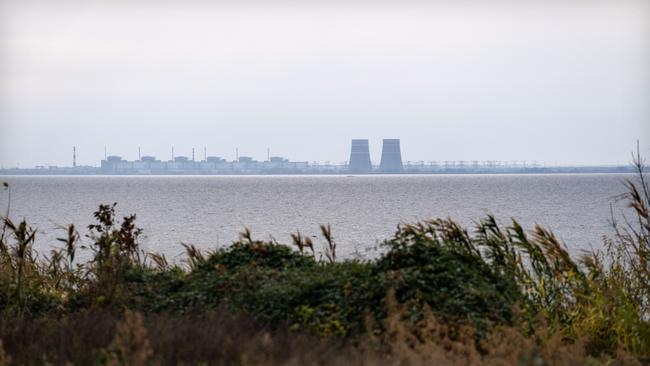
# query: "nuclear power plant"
360,162
391,157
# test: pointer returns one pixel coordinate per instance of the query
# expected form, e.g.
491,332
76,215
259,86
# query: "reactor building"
391,157
360,157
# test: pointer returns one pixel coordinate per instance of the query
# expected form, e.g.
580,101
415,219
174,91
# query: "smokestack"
391,157
205,153
74,156
360,157
192,154
139,156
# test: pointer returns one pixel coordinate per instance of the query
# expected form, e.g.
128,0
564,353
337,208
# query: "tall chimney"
360,157
391,157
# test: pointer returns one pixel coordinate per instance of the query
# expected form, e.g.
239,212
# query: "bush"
437,263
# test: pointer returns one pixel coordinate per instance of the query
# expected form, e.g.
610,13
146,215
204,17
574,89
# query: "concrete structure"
391,162
360,157
391,157
359,163
215,159
211,165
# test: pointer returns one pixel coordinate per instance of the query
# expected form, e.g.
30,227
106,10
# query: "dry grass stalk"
5,359
130,345
330,249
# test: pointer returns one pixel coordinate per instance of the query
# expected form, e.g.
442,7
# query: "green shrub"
437,262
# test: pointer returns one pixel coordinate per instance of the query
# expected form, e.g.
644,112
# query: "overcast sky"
557,82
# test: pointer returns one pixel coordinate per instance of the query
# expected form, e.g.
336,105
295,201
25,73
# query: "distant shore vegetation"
439,293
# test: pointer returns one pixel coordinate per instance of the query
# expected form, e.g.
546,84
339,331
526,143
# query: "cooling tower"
360,157
391,157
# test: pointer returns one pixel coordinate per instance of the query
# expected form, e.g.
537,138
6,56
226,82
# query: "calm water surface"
210,211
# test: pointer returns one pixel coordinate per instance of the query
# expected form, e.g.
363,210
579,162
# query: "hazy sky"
558,82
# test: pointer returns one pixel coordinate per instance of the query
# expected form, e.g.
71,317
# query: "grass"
440,293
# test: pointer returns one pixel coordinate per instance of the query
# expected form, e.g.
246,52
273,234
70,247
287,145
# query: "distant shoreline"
407,171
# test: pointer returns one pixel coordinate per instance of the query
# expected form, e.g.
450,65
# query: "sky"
558,82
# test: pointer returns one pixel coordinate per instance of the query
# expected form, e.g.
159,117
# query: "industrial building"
391,157
359,163
360,157
211,165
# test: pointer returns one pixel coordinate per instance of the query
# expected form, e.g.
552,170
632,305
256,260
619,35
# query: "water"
210,211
